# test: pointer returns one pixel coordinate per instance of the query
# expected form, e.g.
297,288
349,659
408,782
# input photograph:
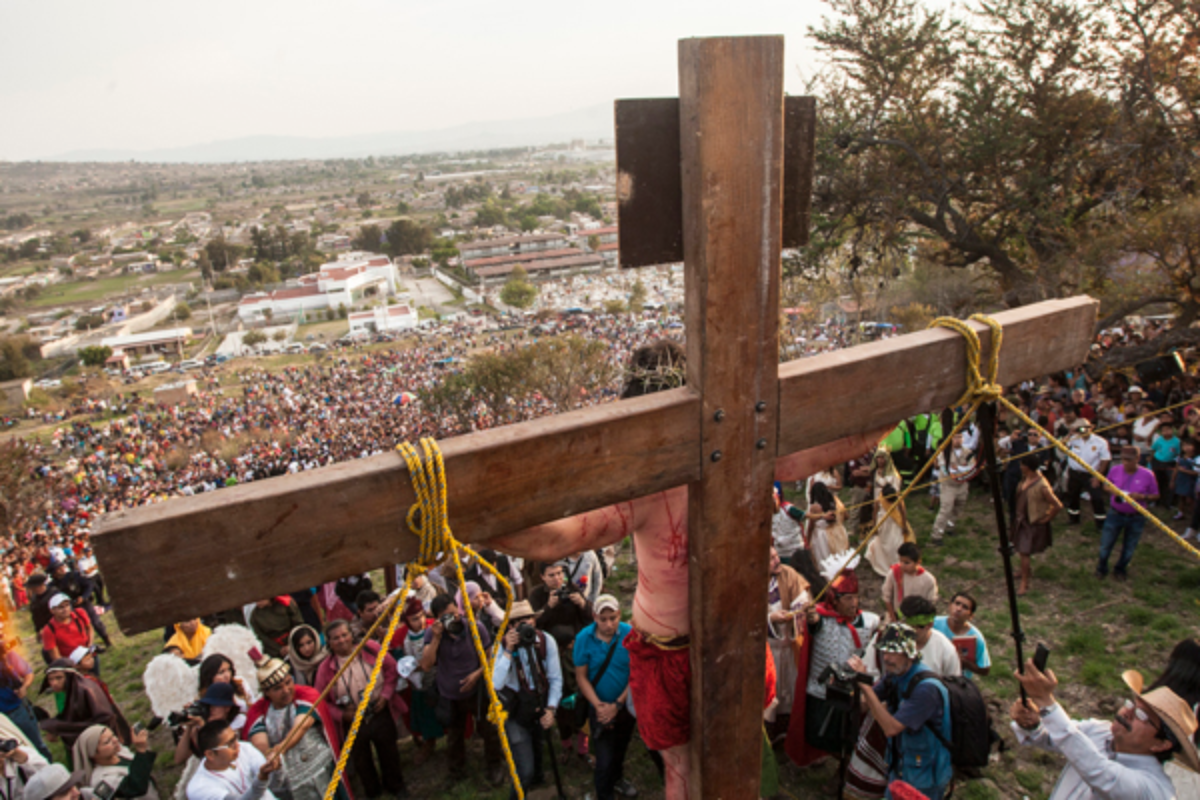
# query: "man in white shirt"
1119,759
229,771
937,652
1093,450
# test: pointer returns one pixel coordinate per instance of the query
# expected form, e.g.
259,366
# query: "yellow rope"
428,519
978,389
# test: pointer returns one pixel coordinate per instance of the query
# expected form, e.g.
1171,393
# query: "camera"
565,591
8,745
452,624
526,635
841,680
197,709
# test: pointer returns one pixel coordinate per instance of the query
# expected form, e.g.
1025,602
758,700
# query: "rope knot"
979,387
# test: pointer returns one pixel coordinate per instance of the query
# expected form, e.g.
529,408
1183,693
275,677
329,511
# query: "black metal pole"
987,424
549,736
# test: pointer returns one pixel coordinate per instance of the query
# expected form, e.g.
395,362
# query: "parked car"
191,363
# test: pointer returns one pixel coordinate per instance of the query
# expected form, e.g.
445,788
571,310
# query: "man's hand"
779,617
438,629
511,637
485,599
810,613
578,599
468,683
378,703
140,740
553,601
1095,483
283,651
606,712
548,719
272,764
1039,686
855,663
1025,714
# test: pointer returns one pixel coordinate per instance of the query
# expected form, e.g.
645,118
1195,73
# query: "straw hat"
1175,713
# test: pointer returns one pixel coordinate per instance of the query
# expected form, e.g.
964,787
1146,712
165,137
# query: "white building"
379,319
344,282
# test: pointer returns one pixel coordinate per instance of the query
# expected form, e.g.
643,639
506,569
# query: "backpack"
970,722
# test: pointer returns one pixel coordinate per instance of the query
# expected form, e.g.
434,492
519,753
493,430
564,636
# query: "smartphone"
138,727
1041,656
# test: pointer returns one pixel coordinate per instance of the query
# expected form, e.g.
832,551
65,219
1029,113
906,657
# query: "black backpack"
970,722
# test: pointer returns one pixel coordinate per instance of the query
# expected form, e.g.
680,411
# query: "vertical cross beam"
731,136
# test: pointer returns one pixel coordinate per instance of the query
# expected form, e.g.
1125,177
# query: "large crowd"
888,692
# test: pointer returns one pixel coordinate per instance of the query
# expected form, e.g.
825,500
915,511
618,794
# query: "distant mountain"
594,122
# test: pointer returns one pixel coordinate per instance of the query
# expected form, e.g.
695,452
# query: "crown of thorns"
668,373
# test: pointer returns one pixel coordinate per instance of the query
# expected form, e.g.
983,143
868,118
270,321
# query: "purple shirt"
456,659
1140,482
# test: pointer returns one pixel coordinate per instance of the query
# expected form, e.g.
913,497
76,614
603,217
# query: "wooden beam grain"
731,137
866,387
222,549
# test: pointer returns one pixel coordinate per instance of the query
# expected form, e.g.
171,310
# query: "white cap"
606,601
58,599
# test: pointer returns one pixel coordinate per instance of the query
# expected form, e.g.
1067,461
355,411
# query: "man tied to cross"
658,645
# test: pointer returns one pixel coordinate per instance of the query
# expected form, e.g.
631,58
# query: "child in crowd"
907,578
1164,452
1187,466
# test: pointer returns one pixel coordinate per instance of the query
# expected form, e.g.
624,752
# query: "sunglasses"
231,745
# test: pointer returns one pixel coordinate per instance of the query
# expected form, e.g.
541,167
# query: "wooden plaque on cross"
720,435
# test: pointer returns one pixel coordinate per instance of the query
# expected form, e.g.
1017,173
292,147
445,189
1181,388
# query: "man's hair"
440,604
655,367
333,626
916,606
910,550
546,565
209,736
968,598
366,597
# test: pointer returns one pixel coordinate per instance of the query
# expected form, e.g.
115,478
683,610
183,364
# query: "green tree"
95,355
279,336
262,273
408,238
593,243
182,311
87,322
342,311
363,199
568,368
490,214
368,238
1006,141
15,357
637,297
254,338
26,495
443,250
614,306
518,291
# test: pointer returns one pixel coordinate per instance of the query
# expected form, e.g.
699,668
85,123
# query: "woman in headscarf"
86,704
1182,676
890,514
101,759
485,608
305,653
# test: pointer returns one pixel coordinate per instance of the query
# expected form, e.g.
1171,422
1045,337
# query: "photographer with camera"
218,702
21,762
112,770
528,679
913,712
378,727
562,611
450,648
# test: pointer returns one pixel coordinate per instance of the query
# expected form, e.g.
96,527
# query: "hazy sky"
138,75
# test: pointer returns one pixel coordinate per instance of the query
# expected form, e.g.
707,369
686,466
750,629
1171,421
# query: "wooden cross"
720,435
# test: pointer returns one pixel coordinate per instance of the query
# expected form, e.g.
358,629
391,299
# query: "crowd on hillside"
579,666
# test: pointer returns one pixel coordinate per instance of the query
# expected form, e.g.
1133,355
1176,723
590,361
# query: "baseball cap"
58,599
79,653
606,601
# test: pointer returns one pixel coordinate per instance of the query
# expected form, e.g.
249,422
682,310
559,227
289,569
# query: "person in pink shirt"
1123,519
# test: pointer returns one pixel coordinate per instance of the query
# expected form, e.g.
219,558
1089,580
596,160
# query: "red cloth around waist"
661,682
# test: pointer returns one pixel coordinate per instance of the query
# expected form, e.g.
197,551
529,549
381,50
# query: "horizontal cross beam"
221,549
